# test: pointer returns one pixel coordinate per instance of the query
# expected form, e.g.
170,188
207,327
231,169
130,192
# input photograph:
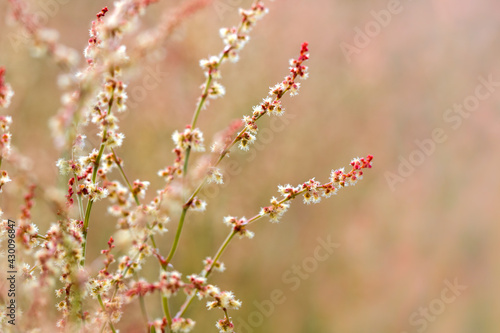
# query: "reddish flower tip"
305,47
102,13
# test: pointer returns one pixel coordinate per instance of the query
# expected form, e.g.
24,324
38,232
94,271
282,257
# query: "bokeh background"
399,239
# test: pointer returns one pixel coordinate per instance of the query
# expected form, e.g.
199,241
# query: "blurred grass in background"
397,245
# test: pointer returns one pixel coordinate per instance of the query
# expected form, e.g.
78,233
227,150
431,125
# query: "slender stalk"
217,256
196,114
177,236
204,96
166,309
85,231
226,314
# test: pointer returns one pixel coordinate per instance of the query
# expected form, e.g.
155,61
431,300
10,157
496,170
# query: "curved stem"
219,253
166,309
177,236
203,98
196,114
85,231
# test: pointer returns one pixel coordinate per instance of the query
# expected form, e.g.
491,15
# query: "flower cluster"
113,93
341,179
189,138
94,42
98,287
215,176
4,178
182,325
276,210
169,173
239,226
271,105
103,59
6,91
224,300
209,265
313,190
6,94
225,325
92,191
197,204
139,188
234,39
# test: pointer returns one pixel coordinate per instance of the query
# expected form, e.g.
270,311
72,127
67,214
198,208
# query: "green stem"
85,231
99,155
186,159
204,96
226,314
219,253
177,236
198,189
196,114
166,309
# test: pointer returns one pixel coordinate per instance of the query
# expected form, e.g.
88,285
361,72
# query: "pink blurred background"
399,241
